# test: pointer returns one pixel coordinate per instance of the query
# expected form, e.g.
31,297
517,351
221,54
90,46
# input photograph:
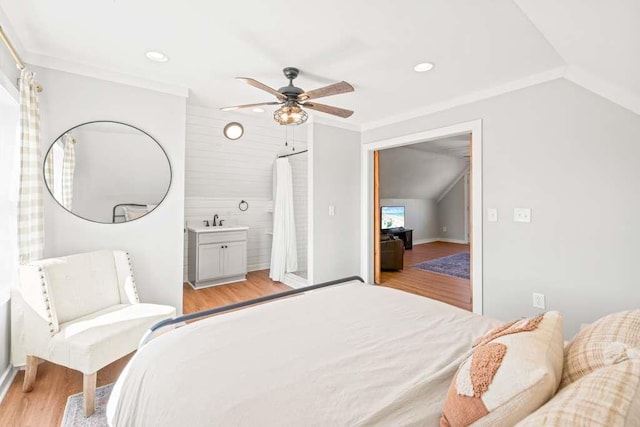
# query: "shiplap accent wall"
299,170
220,173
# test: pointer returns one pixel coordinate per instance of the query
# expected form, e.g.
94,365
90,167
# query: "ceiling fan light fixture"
290,114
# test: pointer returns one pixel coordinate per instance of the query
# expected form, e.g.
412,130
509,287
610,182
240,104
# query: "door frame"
473,127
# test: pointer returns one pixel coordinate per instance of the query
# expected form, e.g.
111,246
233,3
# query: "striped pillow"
607,397
587,351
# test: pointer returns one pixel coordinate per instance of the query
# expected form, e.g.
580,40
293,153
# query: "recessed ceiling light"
258,110
157,56
424,66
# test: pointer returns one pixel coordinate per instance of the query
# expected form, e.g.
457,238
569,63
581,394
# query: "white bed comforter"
347,355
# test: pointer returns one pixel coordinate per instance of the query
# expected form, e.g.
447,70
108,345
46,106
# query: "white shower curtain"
284,254
68,169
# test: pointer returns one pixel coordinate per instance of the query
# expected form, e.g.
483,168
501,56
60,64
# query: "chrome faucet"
215,218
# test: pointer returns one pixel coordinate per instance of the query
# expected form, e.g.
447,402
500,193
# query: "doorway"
471,224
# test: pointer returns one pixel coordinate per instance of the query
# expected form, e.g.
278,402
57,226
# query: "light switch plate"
538,301
492,215
522,214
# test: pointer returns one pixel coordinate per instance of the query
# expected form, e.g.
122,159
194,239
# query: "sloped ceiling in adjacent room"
421,171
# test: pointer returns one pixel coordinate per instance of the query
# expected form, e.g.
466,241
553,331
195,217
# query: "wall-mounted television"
392,217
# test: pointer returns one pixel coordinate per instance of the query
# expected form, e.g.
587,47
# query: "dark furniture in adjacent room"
405,234
391,253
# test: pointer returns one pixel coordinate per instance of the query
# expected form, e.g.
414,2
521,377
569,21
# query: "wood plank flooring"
449,289
44,406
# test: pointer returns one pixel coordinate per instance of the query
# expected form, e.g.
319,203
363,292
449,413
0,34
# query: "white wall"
336,182
421,216
220,173
154,241
571,156
451,213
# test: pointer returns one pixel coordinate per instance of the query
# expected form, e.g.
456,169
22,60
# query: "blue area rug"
458,265
74,414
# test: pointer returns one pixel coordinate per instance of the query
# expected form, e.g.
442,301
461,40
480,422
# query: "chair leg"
89,393
30,373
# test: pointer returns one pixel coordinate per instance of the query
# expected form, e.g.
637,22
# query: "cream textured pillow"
586,351
607,397
513,370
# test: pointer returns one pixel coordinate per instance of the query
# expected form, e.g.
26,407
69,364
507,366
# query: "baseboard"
423,241
256,267
462,242
294,281
6,379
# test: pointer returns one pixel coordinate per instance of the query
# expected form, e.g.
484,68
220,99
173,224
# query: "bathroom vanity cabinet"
217,255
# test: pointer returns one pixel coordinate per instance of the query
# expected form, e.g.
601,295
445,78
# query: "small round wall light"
233,130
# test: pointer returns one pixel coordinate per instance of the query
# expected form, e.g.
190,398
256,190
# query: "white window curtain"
68,168
284,254
30,210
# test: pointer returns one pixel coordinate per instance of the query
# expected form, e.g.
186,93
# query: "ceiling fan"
293,98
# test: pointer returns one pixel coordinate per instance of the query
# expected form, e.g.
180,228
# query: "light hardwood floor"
44,406
449,289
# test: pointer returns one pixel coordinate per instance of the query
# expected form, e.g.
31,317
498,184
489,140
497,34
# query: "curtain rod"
19,64
292,154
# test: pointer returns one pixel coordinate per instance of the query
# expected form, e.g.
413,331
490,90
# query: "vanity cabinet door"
210,261
235,258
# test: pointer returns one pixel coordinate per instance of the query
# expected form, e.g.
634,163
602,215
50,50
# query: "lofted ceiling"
423,170
600,37
372,44
476,45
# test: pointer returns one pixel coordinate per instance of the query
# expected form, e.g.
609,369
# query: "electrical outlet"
332,210
538,301
444,229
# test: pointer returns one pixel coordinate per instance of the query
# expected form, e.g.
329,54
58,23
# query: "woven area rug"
458,265
74,415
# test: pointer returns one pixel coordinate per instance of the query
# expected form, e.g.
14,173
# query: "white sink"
204,229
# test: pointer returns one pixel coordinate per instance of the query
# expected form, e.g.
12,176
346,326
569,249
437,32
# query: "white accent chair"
82,312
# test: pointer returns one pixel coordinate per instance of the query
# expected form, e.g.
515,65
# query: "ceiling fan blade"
262,86
238,107
341,112
334,89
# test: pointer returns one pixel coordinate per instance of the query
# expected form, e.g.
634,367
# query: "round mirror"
107,172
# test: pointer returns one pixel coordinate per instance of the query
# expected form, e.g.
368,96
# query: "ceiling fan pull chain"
293,139
286,137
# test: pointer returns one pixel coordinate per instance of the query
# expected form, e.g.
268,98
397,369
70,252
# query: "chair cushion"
92,342
81,284
609,396
513,370
586,351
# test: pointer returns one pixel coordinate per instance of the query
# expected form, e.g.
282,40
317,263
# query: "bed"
347,354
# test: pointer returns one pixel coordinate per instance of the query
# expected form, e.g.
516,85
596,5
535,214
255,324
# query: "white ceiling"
373,44
601,37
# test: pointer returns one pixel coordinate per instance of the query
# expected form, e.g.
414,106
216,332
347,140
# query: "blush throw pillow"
513,370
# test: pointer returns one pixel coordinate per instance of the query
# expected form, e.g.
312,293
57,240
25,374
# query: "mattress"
347,355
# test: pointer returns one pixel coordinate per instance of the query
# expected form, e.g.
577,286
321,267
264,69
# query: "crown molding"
532,80
604,88
52,63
